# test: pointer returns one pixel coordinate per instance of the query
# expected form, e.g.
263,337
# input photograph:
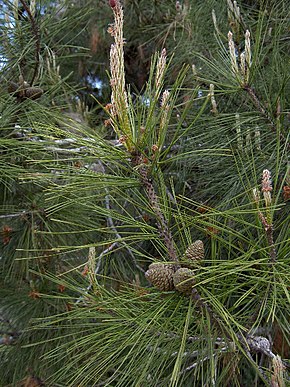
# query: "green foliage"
86,207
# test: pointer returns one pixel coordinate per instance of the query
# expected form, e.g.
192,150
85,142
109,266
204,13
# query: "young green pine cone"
195,251
161,276
183,280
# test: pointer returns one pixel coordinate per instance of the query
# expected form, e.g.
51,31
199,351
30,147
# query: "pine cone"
12,87
33,92
183,280
161,276
195,251
24,91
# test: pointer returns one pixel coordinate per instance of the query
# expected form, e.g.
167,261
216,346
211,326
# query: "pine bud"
161,276
267,187
233,54
183,280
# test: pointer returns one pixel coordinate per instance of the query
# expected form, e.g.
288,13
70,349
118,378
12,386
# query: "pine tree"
145,216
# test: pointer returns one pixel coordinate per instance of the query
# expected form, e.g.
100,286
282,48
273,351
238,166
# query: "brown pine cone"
195,251
24,91
183,280
12,87
33,92
161,276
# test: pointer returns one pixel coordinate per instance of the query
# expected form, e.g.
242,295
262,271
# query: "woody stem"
162,223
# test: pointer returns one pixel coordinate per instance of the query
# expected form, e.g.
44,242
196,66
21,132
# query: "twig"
162,223
190,354
66,151
14,215
256,344
259,105
270,239
35,31
269,236
194,365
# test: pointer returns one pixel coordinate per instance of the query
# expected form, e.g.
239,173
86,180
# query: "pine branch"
35,31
